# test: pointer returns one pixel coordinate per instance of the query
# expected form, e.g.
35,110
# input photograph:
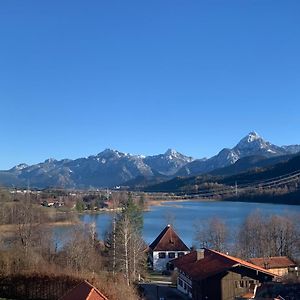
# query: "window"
180,254
171,254
161,255
240,284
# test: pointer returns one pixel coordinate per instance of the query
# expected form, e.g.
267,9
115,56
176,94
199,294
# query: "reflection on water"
184,215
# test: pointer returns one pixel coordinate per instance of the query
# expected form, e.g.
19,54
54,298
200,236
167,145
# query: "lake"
183,215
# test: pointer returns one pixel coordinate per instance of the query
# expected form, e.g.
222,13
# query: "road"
161,292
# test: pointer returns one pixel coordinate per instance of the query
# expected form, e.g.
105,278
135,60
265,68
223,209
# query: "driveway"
161,292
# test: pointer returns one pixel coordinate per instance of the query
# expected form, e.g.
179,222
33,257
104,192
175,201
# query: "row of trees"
258,236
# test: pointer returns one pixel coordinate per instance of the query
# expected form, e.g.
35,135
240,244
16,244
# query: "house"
208,274
84,291
166,247
278,290
280,265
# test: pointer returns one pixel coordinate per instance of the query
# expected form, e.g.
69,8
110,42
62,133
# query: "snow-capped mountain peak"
172,152
110,153
50,160
251,145
19,167
252,136
251,142
168,163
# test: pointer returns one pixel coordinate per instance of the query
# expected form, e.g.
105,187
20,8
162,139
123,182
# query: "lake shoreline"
163,202
9,230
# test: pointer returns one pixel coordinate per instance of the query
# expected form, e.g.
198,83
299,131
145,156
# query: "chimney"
200,254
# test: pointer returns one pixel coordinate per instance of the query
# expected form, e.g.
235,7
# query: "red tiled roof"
273,262
213,263
168,240
84,291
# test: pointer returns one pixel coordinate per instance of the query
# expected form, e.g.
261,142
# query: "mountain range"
112,168
276,183
250,145
109,168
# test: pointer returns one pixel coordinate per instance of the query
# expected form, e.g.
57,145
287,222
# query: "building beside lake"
208,274
167,246
280,265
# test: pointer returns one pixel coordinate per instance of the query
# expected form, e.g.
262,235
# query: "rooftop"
212,263
273,262
168,240
84,291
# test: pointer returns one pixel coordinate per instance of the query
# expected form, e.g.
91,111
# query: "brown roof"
273,262
213,263
168,240
84,291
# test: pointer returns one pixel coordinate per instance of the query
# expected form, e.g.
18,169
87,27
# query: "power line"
274,182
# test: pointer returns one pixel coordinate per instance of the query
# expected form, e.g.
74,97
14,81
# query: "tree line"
258,236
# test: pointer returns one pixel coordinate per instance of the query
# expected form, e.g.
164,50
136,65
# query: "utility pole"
236,189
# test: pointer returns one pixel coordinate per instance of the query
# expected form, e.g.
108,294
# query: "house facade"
208,274
280,265
166,247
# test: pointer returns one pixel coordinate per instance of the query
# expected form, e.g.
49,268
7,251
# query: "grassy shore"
170,203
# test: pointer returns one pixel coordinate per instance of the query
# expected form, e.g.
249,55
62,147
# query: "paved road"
161,292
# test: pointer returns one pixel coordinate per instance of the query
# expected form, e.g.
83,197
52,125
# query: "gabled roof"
273,262
84,291
211,264
168,240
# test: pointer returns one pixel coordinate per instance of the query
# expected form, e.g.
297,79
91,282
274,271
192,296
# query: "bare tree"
261,236
212,234
250,239
123,237
282,236
126,244
80,253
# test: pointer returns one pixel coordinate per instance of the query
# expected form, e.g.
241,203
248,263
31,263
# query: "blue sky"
77,77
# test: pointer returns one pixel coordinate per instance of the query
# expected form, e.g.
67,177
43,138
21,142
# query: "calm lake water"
183,215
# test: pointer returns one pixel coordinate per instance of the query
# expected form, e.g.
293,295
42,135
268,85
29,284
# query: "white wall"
159,264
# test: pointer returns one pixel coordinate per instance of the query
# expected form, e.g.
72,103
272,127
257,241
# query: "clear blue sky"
77,77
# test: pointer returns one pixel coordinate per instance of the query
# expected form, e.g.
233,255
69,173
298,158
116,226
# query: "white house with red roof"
167,246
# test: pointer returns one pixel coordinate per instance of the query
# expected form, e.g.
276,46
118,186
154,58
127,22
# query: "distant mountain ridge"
168,163
250,145
108,168
286,170
111,168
